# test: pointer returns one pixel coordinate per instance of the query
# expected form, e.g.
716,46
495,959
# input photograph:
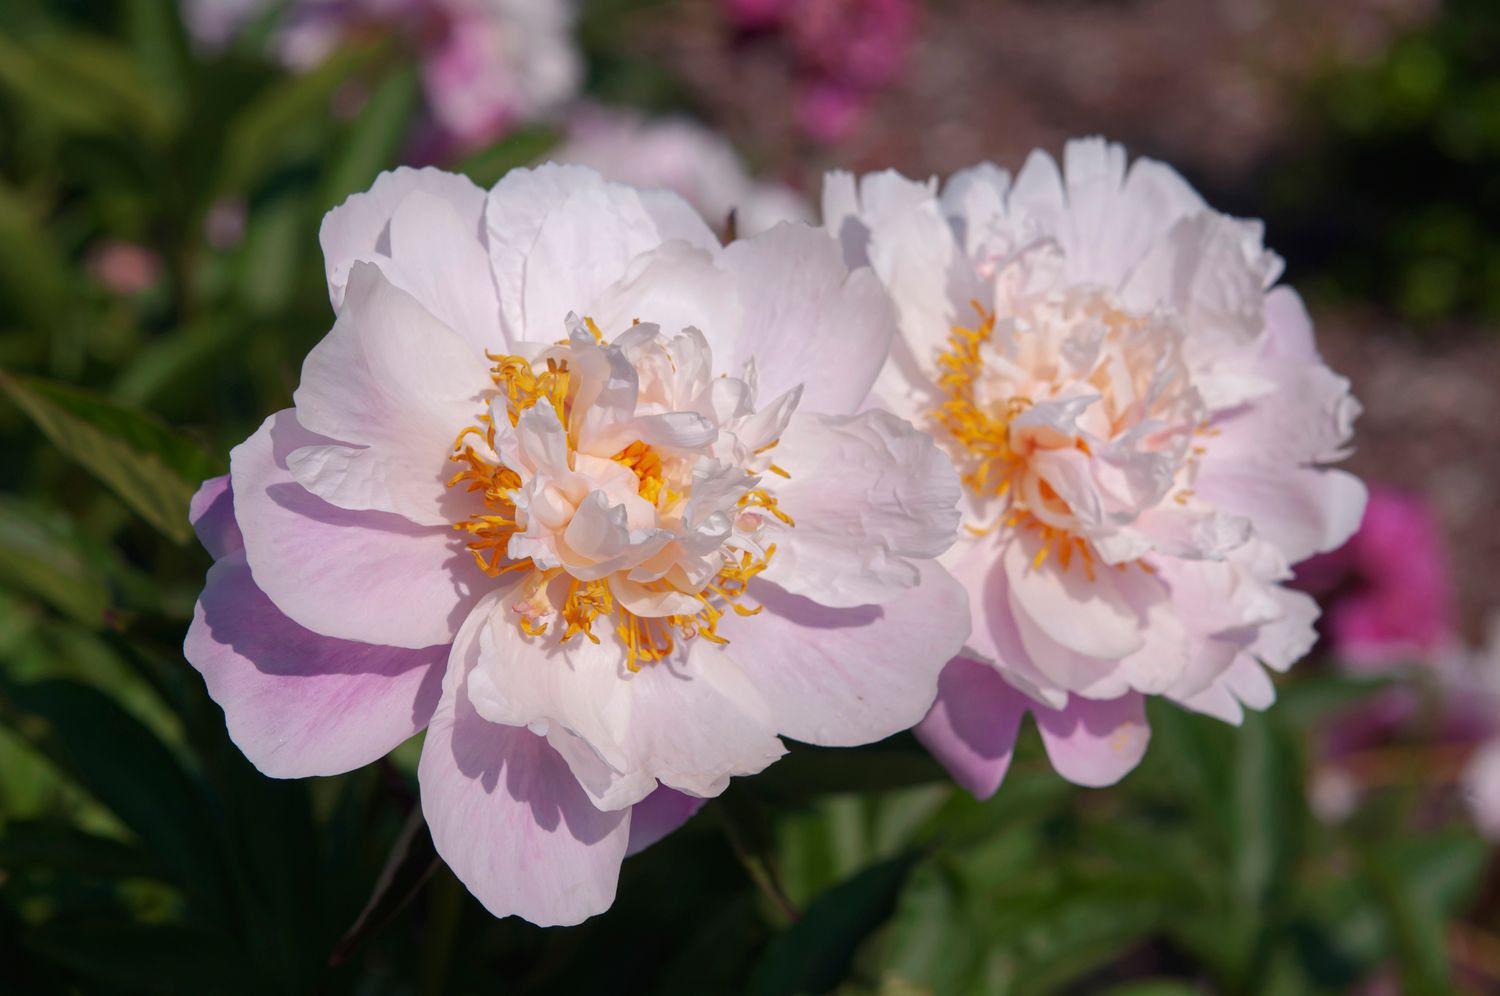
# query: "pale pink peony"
1141,419
683,156
592,499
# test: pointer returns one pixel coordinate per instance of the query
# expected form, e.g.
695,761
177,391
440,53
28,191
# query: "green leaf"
40,555
520,148
375,140
33,274
117,760
808,772
55,845
151,467
1421,884
286,113
813,954
141,958
86,84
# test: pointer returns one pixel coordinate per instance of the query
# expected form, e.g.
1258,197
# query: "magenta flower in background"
1387,594
1142,423
486,65
595,500
845,52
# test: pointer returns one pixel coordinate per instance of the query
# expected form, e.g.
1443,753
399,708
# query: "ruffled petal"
807,319
842,677
869,494
423,227
297,703
508,816
657,815
691,723
212,514
972,726
366,576
393,382
1095,742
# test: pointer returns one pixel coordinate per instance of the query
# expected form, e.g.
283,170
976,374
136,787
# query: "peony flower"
593,499
1387,592
486,65
1141,421
682,156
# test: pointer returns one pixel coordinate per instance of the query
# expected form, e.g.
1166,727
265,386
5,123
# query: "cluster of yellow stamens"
990,464
983,433
647,639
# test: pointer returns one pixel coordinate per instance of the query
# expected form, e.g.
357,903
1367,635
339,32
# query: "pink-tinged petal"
366,576
1289,329
674,286
815,323
297,703
360,228
1302,512
583,245
841,677
869,494
1481,781
508,816
1095,742
972,726
691,723
212,514
657,815
437,258
513,216
995,638
398,386
1089,615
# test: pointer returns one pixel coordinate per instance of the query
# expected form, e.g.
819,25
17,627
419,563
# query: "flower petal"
366,576
508,816
1095,742
212,514
657,815
841,677
1087,615
297,703
812,322
692,723
869,494
396,384
360,228
973,724
1301,512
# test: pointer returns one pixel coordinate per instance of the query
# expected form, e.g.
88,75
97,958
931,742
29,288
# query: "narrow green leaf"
520,148
86,84
813,954
375,139
118,761
40,556
33,274
152,468
286,112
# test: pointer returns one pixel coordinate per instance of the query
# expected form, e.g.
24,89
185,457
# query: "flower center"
1026,405
671,590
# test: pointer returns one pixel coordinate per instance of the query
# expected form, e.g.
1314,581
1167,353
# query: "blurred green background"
160,282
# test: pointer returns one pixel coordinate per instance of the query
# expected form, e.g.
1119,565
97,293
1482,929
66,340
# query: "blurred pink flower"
124,268
682,156
857,43
845,50
605,564
829,112
486,64
1387,594
1144,426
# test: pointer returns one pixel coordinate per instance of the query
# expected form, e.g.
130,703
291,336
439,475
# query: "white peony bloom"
1142,423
